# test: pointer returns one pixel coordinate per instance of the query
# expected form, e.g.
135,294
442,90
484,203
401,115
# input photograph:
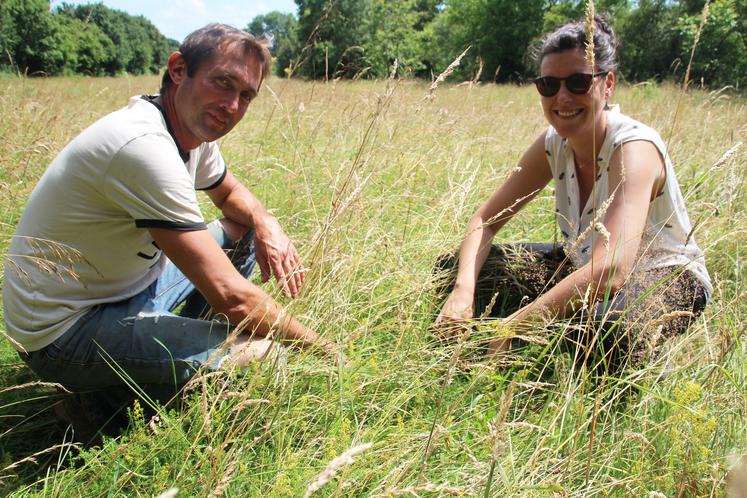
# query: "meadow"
374,181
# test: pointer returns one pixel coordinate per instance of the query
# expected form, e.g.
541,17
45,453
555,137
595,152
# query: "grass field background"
374,182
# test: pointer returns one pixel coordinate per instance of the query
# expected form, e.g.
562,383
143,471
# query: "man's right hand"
277,256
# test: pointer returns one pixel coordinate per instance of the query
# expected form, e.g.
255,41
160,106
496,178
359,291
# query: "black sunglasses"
578,83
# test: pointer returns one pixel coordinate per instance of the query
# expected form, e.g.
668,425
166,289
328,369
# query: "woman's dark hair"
572,36
201,45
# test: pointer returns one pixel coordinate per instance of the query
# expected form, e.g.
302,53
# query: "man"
112,239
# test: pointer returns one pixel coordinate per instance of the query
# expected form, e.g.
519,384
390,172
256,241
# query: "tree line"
362,38
83,39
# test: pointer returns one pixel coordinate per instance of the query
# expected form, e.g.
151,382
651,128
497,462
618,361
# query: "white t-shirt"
667,239
82,239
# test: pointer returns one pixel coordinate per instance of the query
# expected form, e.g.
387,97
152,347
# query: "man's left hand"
277,256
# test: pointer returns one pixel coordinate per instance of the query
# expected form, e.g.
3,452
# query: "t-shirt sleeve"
211,168
147,180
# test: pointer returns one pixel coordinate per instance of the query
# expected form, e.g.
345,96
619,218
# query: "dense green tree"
280,29
499,32
34,44
330,33
392,33
8,36
720,57
87,50
87,39
640,59
690,7
559,12
110,22
139,47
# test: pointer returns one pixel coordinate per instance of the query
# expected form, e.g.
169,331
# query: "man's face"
212,101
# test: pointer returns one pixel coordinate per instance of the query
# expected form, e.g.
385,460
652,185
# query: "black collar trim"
152,99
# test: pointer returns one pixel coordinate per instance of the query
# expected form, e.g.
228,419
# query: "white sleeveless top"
667,238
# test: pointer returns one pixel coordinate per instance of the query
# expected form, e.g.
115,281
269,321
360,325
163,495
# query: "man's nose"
231,103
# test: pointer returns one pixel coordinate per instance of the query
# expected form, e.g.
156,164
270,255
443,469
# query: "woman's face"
573,115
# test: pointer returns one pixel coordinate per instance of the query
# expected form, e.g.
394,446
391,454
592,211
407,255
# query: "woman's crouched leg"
628,329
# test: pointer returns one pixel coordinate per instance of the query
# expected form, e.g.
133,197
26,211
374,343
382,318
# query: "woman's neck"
586,148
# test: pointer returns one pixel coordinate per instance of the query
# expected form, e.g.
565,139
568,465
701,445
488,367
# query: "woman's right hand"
458,309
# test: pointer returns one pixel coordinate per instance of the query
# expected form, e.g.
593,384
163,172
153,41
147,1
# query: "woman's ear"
609,85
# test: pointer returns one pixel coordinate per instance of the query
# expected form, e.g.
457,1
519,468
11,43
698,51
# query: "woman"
626,235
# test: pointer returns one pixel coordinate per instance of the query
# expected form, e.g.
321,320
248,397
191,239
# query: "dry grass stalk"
436,429
637,436
331,471
36,384
496,427
489,307
591,27
670,316
703,20
393,72
32,458
430,488
509,210
445,74
497,432
60,262
476,79
250,402
599,227
598,215
340,68
227,476
686,81
15,343
526,425
727,156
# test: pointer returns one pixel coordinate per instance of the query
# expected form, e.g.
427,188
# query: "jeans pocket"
52,351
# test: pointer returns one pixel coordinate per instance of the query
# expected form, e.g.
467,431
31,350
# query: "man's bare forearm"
261,315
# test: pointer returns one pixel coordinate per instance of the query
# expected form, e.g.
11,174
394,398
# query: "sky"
177,18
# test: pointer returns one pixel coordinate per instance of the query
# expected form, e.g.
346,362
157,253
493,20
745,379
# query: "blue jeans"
141,340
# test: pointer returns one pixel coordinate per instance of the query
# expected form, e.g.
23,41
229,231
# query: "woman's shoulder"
625,128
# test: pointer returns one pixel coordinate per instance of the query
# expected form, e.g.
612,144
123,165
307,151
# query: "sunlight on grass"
374,183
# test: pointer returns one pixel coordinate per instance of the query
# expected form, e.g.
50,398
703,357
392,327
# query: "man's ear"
177,67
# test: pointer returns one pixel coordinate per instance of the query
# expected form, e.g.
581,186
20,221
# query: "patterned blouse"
667,240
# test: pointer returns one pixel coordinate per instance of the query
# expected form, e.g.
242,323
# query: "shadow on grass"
33,440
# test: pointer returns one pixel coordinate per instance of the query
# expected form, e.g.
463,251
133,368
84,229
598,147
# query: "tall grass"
374,182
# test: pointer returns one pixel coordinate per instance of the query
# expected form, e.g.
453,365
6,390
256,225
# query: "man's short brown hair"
202,44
